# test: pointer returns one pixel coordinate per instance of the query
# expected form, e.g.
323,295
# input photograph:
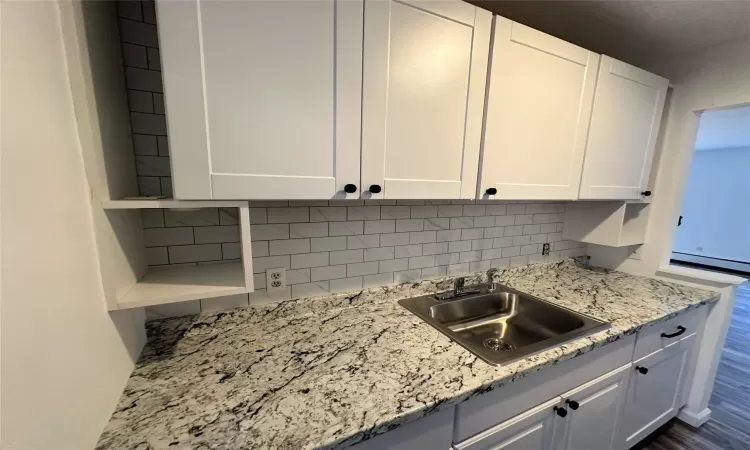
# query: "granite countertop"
332,371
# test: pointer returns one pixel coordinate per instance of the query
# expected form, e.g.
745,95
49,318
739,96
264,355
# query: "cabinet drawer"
650,339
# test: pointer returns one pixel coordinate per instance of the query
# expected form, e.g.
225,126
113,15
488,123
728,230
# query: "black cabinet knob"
375,188
562,412
350,188
646,193
491,191
642,370
573,404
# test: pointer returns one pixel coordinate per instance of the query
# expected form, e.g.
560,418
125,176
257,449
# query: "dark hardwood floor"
729,427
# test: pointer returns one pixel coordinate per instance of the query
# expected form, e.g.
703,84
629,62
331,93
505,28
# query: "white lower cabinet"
594,411
655,390
532,430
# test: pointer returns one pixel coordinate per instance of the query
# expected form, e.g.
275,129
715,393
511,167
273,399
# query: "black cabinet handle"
375,188
646,193
680,330
642,370
573,404
350,188
491,191
562,412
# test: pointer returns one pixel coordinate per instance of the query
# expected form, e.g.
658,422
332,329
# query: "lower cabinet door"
532,430
654,390
593,413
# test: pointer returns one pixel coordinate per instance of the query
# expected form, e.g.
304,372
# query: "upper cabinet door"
624,126
425,69
538,110
262,97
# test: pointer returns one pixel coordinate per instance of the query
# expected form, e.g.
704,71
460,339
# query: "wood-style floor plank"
729,427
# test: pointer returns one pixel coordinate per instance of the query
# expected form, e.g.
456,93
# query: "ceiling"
728,128
637,32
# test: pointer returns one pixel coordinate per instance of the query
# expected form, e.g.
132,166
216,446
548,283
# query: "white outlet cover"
275,279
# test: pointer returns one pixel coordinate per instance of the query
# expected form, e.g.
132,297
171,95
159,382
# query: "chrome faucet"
460,288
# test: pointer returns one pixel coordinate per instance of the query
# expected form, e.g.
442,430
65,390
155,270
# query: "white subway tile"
421,261
494,232
328,272
462,202
542,218
363,213
493,253
393,265
559,217
530,249
532,229
146,123
484,221
159,237
158,103
260,265
380,202
518,208
288,215
134,55
518,261
165,184
504,221
315,203
534,208
476,266
423,212
269,203
228,216
378,279
437,202
345,202
260,296
458,269
363,241
496,210
554,237
396,212
173,310
514,230
548,227
310,289
521,240
462,222
347,256
290,246
224,303
195,218
435,248
308,230
450,211
351,284
506,241
162,142
511,251
156,256
297,276
259,248
392,239
140,101
474,210
437,223
269,232
468,234
446,259
137,32
481,244
144,144
407,276
216,234
406,251
152,166
422,237
231,250
366,268
448,235
524,219
346,228
380,226
459,246
434,272
538,238
259,281
471,256
560,226
194,253
328,244
258,215
152,218
403,225
377,254
500,263
143,80
305,260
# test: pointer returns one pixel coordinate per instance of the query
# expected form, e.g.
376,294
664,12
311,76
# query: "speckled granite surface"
332,371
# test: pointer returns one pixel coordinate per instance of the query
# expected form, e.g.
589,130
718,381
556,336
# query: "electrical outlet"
275,279
545,249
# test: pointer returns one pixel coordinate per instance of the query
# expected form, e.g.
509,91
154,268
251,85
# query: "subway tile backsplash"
326,246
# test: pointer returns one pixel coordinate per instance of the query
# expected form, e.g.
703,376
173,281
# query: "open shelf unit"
170,203
615,224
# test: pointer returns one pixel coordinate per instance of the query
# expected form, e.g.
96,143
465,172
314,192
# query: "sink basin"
503,325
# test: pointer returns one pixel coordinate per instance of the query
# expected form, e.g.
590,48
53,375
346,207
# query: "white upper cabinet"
624,126
262,97
425,69
538,108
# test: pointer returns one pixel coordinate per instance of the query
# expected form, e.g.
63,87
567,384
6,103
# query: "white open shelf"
169,203
615,224
169,284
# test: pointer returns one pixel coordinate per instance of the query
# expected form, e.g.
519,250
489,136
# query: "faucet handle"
490,274
459,283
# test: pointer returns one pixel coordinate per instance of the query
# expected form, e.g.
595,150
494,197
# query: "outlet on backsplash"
545,249
276,279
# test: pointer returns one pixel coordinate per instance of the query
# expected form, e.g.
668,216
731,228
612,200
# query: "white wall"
65,360
715,224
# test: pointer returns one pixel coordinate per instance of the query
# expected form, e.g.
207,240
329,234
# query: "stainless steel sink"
500,324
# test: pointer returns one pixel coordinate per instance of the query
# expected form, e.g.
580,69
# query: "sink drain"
497,345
